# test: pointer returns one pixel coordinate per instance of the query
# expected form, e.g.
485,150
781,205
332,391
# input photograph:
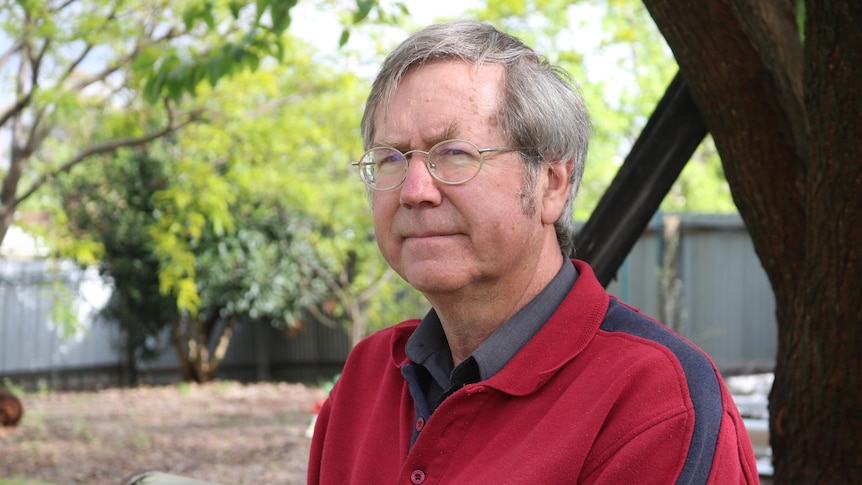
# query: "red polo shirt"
601,394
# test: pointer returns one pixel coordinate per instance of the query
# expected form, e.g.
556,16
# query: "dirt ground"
224,432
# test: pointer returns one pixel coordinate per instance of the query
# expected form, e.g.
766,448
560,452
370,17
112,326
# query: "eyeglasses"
452,162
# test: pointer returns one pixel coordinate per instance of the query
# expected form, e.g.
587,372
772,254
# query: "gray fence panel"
726,304
262,352
637,281
30,338
730,311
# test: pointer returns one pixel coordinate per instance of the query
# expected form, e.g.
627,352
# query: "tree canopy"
250,217
63,60
107,88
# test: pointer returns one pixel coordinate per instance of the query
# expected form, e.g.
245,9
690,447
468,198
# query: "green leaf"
363,9
189,18
281,17
235,8
207,16
214,70
261,6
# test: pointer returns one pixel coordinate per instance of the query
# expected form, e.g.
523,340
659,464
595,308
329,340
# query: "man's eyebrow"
428,141
386,143
451,131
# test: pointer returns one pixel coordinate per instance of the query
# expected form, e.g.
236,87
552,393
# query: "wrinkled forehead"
442,100
464,90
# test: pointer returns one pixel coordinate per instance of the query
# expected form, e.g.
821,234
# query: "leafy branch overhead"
179,70
132,69
231,222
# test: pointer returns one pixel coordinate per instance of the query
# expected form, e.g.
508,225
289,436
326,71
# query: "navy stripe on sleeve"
703,386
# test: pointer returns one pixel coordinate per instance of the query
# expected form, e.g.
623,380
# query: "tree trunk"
180,346
787,122
192,341
817,430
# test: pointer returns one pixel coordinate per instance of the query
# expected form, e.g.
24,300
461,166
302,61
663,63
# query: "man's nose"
419,186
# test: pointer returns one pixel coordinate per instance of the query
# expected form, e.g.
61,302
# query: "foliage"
616,54
90,77
288,142
71,59
112,206
251,217
10,386
76,58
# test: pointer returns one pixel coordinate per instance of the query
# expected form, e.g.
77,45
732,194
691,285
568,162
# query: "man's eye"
393,158
453,152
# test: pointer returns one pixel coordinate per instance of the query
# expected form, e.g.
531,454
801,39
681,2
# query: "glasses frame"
429,163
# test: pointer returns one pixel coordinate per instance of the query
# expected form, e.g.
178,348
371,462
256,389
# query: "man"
525,370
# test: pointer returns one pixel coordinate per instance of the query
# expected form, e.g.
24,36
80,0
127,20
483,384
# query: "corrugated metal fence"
702,278
31,341
34,351
699,274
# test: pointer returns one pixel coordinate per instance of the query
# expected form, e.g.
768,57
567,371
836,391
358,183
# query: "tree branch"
220,350
16,108
322,317
36,63
111,17
749,103
62,6
119,63
75,63
387,274
108,147
36,134
15,47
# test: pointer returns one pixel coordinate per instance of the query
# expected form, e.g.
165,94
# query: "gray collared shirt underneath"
429,348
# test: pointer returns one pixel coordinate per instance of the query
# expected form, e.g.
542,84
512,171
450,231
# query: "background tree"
777,84
64,58
291,133
69,57
252,217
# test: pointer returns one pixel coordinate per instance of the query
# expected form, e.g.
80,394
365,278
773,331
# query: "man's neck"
473,314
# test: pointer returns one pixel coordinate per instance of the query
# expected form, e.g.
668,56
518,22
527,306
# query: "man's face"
446,238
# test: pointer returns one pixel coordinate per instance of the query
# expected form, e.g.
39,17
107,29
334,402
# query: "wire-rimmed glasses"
452,162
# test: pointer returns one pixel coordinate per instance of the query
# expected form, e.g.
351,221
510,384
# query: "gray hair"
542,108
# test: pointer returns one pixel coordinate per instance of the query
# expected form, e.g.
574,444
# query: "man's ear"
557,180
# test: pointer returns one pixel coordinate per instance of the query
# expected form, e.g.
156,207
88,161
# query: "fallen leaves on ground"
224,432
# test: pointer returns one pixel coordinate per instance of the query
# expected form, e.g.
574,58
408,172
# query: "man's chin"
435,277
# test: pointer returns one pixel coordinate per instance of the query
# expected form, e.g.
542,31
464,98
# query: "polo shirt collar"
428,345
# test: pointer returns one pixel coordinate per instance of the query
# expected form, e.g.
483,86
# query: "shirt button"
417,477
420,423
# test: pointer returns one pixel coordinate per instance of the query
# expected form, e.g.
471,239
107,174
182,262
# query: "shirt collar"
429,348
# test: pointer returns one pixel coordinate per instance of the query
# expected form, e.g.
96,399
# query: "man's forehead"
480,87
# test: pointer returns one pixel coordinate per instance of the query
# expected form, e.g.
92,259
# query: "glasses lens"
455,161
383,167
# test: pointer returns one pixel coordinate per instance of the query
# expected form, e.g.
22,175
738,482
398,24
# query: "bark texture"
785,110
